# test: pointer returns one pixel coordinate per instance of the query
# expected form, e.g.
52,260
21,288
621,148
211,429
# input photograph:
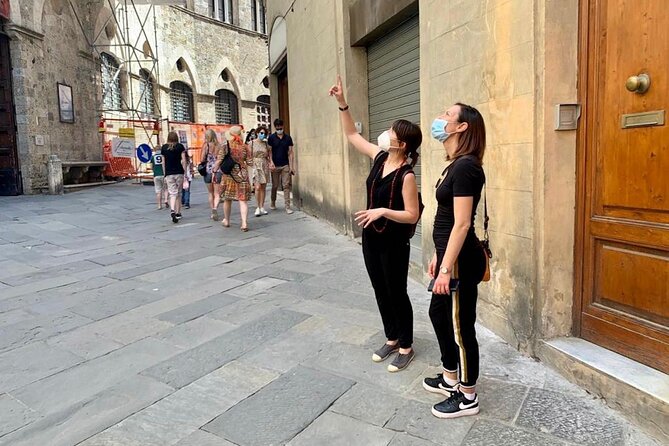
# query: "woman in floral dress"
235,186
260,168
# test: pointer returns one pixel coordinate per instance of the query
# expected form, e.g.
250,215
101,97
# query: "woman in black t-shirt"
458,264
392,210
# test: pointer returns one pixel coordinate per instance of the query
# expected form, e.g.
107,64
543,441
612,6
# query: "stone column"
55,172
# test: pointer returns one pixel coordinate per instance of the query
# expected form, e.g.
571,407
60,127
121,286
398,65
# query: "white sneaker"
289,211
257,213
263,211
272,206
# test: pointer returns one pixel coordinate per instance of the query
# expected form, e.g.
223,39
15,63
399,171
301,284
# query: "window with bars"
181,98
227,111
221,10
146,103
263,110
111,82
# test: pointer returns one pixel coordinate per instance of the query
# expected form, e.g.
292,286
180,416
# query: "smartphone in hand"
453,285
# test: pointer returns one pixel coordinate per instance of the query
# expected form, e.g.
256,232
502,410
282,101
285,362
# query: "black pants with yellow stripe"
454,317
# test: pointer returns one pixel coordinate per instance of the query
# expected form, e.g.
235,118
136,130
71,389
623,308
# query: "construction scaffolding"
125,32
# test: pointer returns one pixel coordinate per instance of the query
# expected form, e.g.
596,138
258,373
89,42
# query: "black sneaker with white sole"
175,219
456,406
179,215
438,385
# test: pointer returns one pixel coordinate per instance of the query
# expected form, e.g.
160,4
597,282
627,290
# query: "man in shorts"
157,162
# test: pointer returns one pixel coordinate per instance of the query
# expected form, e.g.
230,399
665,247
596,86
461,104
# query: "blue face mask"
262,136
439,130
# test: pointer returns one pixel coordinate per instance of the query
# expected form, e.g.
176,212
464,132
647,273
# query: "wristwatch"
444,270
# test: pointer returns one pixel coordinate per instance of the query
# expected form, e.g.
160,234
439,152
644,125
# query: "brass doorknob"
638,84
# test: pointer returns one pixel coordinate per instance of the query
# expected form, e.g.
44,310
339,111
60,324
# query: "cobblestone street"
118,327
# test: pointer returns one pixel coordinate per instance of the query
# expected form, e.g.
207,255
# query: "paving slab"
339,430
195,332
15,414
415,418
569,418
202,438
486,432
38,328
256,287
75,423
371,404
196,309
84,343
404,439
197,362
308,393
31,363
56,393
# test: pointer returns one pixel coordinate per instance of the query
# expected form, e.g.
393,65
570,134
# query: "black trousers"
454,317
387,262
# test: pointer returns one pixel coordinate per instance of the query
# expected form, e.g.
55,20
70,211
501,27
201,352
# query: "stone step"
640,392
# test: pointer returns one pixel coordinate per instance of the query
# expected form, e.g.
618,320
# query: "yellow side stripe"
456,327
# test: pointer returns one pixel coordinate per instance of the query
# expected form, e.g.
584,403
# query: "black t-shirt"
378,196
280,148
173,159
465,178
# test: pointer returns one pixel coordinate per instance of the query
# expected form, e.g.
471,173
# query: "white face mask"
384,141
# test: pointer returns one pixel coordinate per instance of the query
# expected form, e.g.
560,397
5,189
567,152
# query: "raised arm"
360,143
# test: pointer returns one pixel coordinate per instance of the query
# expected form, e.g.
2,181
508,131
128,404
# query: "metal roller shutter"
393,69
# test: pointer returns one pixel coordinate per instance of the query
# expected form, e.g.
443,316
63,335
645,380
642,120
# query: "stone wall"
48,46
44,37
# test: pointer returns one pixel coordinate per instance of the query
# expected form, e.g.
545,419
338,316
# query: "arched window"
146,102
227,110
263,110
181,98
111,82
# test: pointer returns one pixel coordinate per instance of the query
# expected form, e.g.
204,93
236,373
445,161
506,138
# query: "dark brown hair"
263,128
411,135
472,140
172,140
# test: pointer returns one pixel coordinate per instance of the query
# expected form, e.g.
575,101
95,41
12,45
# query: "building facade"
580,237
199,62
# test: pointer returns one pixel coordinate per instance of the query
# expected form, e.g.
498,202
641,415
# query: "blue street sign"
144,153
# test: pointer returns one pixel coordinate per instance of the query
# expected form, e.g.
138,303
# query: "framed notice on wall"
65,103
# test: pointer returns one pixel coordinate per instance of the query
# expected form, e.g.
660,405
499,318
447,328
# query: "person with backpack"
393,209
459,263
235,185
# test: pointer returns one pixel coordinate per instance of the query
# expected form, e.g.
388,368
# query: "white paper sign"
123,148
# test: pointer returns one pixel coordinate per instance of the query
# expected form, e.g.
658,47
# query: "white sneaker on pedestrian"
263,211
289,211
257,213
272,206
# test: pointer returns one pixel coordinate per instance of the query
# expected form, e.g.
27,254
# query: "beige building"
204,61
578,206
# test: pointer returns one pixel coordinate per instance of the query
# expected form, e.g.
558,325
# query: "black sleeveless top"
379,192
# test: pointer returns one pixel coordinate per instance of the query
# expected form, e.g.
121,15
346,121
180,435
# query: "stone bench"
76,172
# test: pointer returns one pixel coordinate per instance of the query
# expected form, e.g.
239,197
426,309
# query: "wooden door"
284,113
622,251
10,179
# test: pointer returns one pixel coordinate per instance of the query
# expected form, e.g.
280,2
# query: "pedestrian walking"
392,211
158,167
212,179
459,262
174,154
188,179
250,136
260,168
235,186
282,162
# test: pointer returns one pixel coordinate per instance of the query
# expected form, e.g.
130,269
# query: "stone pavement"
118,327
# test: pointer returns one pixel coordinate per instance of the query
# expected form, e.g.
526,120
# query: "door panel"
625,278
10,183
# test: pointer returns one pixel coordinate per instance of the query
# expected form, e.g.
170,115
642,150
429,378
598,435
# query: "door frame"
582,87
